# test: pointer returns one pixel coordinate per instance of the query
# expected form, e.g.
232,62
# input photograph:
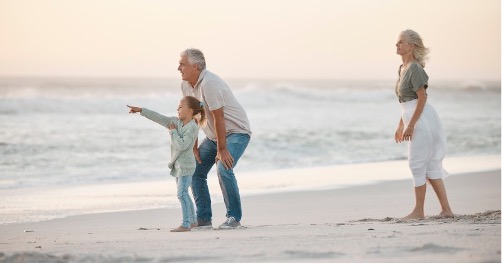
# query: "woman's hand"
399,134
171,126
408,133
422,99
134,109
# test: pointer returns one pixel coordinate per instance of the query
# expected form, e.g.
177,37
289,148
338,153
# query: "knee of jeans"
196,182
223,172
182,192
197,177
182,195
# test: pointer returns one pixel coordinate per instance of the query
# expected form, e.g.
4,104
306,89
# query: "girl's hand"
196,153
134,109
171,126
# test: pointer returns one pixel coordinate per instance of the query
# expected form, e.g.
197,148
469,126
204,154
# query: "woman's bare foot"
446,214
413,216
181,229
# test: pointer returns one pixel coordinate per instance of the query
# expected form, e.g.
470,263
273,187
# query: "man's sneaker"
202,224
231,223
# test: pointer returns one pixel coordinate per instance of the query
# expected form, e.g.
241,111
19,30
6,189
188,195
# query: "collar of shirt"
201,76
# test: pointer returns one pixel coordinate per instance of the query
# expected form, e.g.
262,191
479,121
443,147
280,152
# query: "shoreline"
41,204
353,224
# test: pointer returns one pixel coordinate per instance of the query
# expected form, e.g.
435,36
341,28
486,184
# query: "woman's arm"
398,136
422,99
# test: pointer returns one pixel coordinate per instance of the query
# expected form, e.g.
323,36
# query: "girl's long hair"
197,107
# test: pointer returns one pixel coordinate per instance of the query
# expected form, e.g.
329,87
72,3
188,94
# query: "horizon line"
113,77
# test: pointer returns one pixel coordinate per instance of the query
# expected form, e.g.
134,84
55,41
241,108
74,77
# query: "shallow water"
61,133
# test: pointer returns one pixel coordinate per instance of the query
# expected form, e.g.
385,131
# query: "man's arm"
221,138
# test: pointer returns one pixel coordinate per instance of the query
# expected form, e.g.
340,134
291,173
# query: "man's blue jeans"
236,145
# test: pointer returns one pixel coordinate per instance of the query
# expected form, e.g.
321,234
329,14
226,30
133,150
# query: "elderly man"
228,133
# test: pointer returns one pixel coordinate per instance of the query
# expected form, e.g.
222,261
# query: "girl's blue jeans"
183,182
236,145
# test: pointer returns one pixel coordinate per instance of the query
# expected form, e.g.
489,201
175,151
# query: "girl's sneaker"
203,225
181,229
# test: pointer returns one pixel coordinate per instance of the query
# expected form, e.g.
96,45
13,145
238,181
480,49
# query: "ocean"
69,132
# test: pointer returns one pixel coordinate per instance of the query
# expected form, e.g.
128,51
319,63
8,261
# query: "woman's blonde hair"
420,53
197,107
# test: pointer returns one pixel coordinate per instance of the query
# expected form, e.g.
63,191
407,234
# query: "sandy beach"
353,224
320,88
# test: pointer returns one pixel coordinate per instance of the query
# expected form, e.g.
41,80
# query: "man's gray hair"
195,56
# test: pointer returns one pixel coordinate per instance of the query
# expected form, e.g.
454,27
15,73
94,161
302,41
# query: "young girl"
184,132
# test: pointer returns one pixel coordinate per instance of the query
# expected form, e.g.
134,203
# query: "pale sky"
301,39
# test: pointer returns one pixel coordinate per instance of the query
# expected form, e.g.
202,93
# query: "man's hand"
225,158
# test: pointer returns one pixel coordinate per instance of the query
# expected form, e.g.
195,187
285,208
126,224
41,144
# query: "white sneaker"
231,223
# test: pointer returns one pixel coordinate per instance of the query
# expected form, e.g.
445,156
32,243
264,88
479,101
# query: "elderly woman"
420,125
